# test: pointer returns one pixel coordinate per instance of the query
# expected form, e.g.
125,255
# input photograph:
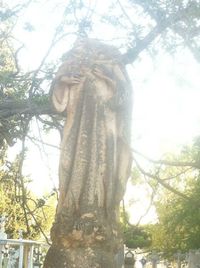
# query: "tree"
165,25
136,237
23,211
178,217
172,22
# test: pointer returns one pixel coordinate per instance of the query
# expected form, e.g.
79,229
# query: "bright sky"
166,110
166,113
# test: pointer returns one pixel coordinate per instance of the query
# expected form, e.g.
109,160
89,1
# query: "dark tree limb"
10,108
163,23
132,54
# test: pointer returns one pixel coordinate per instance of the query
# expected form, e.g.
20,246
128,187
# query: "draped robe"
92,87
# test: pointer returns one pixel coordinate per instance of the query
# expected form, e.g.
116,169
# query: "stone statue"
92,89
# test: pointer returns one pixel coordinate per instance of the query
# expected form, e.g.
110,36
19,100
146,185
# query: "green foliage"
178,227
135,176
22,210
136,237
180,219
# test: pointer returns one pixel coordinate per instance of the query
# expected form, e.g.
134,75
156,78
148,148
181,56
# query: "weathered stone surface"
194,259
93,88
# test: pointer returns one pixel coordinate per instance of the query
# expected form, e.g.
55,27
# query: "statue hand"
98,72
71,80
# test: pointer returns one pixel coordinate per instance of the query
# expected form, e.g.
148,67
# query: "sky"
166,111
166,114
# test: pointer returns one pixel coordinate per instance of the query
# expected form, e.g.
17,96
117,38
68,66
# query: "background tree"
23,210
177,226
136,237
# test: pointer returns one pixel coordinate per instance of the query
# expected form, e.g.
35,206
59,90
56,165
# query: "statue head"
94,49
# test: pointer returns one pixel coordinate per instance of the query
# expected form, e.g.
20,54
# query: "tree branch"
169,163
131,55
160,181
162,24
20,176
32,107
148,208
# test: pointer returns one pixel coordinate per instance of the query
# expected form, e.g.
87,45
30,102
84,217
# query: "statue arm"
61,90
59,96
117,79
105,73
123,88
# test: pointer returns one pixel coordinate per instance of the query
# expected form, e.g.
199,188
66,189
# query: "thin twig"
148,208
163,183
169,163
125,13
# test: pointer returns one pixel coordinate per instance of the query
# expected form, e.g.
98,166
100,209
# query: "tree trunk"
93,88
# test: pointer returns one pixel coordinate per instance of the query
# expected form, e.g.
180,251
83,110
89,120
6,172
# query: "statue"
92,89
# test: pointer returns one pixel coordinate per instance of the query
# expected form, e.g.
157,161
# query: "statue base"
79,257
